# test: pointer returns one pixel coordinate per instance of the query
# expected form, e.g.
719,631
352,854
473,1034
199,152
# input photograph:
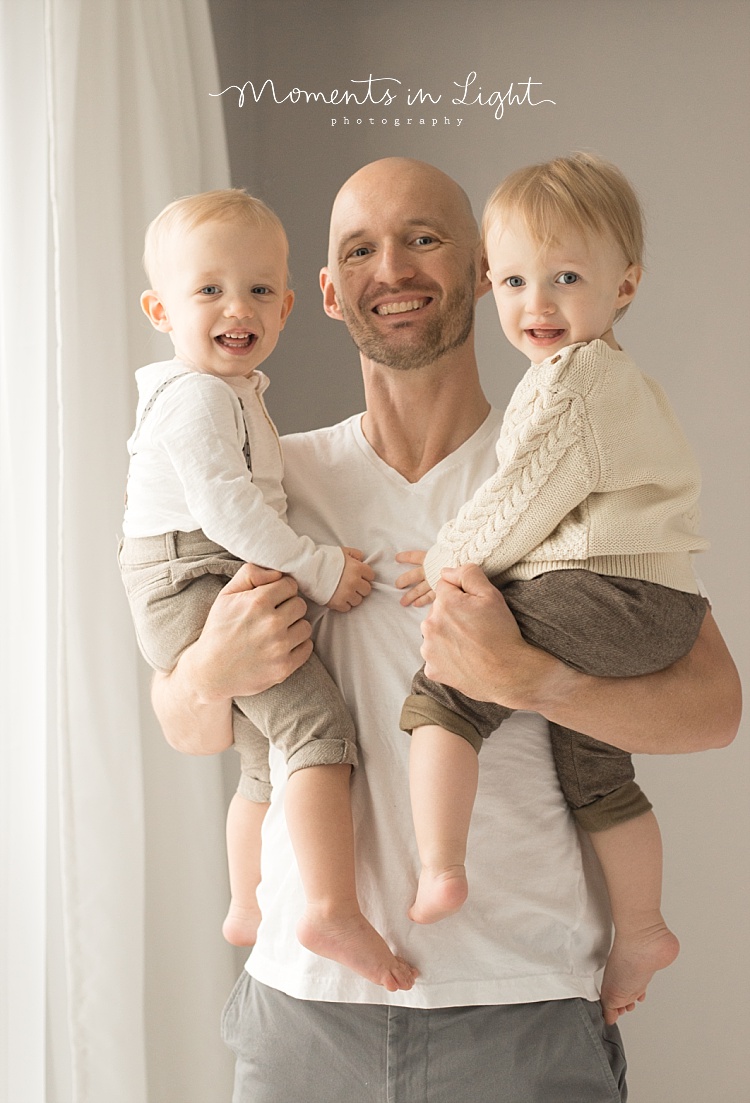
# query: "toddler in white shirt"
204,496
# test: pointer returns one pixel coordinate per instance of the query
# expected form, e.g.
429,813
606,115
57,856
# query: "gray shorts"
298,1051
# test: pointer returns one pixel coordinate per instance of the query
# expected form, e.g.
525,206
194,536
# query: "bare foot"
240,928
440,893
355,943
633,960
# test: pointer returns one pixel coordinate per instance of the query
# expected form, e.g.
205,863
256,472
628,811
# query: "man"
506,1005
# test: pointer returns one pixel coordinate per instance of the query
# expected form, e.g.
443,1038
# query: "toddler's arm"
355,582
548,465
199,433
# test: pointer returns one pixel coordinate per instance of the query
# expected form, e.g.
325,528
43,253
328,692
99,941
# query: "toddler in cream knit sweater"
587,527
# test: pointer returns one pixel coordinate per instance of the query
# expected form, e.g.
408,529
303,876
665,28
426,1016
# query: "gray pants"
298,1051
171,582
600,625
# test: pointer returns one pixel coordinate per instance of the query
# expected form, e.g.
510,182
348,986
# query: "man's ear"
629,285
155,311
330,302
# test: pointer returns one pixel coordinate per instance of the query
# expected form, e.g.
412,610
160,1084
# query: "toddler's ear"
155,311
629,285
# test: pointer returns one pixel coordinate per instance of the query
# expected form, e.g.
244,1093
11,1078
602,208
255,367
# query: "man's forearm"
191,723
694,705
472,642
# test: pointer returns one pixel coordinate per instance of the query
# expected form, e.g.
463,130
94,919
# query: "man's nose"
395,263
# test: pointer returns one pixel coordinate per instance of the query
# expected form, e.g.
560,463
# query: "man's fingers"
248,577
468,577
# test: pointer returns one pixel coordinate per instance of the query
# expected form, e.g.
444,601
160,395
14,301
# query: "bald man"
506,1006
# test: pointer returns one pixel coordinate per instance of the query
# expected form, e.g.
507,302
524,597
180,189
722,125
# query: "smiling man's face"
403,263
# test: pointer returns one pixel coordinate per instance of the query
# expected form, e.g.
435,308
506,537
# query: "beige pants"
171,582
609,627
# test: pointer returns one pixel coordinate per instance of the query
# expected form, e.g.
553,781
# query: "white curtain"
109,842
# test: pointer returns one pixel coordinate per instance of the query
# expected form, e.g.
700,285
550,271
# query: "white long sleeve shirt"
188,471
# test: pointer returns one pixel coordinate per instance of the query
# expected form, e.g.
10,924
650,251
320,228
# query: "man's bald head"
434,190
404,266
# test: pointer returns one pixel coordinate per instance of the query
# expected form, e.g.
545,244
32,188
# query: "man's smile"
401,307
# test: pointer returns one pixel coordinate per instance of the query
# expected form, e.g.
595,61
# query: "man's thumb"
468,577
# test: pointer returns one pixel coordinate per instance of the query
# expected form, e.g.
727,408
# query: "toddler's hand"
420,592
354,584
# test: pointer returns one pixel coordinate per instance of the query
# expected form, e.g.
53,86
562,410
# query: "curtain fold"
106,117
25,596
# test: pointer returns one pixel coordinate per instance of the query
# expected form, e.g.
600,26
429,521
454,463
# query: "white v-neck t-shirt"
536,925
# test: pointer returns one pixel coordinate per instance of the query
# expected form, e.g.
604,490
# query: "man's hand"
420,592
471,639
472,642
355,582
255,636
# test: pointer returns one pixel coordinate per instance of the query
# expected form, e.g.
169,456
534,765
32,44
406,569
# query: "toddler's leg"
244,822
319,818
630,854
598,783
447,729
443,774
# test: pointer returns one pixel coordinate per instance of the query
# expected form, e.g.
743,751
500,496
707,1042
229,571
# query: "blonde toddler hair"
581,192
191,211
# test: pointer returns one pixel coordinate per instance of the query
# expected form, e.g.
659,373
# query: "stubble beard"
448,330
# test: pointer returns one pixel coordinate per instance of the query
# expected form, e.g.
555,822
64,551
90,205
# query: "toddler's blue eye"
514,281
568,277
210,289
261,291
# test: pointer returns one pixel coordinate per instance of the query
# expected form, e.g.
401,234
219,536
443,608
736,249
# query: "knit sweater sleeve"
548,464
200,433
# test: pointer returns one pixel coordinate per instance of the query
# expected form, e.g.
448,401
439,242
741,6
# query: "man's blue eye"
514,281
361,251
567,277
424,239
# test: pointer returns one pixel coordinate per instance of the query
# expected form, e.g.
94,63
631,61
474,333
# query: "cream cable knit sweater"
594,473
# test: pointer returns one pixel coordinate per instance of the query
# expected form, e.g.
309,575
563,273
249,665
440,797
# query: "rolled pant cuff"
623,804
420,711
323,752
259,792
